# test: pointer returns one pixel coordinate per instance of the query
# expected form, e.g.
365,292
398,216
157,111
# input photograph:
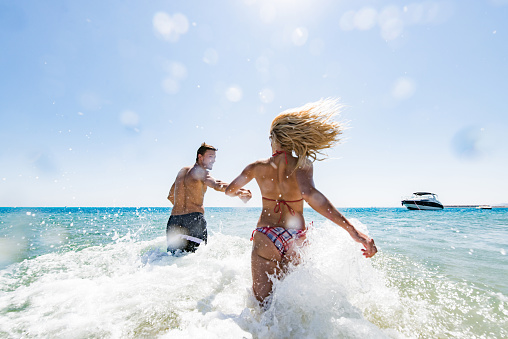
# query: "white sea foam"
132,288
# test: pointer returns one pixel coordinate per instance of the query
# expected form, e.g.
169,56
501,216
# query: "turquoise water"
103,273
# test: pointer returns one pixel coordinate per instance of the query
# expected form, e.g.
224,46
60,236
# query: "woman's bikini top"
278,204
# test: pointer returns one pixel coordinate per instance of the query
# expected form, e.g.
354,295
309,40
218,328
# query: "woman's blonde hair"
308,130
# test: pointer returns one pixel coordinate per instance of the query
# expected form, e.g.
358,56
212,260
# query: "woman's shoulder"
256,165
259,166
306,169
260,163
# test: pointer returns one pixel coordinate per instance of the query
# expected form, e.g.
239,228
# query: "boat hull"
422,205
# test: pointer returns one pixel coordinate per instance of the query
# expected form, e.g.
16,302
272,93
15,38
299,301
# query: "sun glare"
272,11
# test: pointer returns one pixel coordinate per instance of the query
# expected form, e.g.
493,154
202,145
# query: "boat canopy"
423,193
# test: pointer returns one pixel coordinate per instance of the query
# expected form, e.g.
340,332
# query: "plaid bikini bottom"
281,237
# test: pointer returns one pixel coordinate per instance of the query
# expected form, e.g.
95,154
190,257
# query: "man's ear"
200,158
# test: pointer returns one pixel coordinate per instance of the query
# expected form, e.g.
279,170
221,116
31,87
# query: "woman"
285,180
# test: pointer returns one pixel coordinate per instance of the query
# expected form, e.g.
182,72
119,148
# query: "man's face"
208,159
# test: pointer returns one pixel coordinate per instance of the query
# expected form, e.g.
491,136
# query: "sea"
105,273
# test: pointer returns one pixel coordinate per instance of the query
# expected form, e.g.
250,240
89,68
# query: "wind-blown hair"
307,130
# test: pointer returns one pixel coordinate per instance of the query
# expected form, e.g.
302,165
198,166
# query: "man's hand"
244,195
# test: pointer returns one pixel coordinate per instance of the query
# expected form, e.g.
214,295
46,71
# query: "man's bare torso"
189,191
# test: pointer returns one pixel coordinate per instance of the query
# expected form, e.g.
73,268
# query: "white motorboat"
422,201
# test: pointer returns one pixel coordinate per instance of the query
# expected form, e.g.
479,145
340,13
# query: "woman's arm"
320,203
235,187
221,186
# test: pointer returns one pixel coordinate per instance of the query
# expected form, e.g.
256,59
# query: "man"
186,227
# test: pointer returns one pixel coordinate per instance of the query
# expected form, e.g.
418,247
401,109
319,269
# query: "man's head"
205,156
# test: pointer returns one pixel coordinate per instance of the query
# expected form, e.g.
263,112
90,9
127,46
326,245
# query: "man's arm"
171,195
216,184
320,203
178,180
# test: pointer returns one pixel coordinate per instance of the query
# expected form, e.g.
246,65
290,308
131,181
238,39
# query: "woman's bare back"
282,199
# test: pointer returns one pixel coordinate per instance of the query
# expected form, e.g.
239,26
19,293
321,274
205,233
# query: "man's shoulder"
196,173
184,170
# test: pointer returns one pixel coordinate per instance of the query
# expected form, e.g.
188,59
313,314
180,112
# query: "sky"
103,102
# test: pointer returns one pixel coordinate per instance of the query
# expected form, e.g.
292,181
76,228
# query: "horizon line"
307,207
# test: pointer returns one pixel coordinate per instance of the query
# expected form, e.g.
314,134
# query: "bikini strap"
281,152
278,209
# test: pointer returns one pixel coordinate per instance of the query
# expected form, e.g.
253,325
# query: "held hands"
244,195
370,248
222,185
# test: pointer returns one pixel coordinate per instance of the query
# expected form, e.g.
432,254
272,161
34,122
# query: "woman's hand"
244,195
370,248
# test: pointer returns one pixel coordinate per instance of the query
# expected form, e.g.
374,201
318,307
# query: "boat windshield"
421,196
424,195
